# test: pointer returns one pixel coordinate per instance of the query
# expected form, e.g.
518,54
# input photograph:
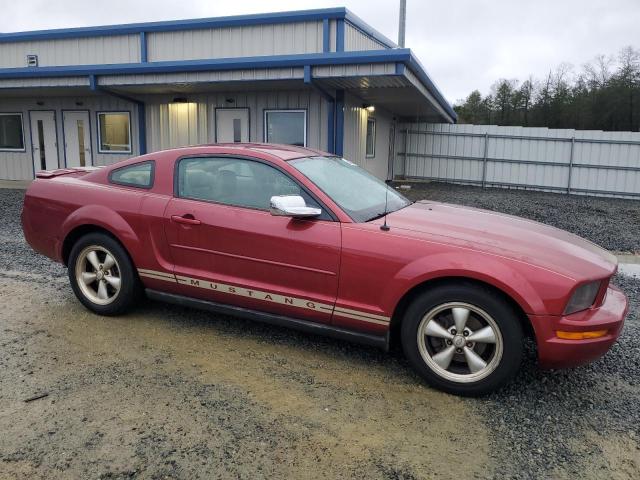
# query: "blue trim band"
174,25
143,47
339,143
326,41
340,35
218,64
323,14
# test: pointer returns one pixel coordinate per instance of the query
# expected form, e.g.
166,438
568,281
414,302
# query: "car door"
228,248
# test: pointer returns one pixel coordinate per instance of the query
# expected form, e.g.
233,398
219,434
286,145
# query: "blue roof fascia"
273,61
398,55
167,26
416,67
367,29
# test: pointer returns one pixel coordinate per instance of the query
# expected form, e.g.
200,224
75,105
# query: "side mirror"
292,206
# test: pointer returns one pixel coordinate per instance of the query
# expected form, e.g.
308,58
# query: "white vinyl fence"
570,161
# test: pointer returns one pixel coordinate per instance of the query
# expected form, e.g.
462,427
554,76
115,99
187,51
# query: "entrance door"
44,140
232,125
77,141
228,248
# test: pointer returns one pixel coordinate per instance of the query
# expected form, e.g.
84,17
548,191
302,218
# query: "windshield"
357,192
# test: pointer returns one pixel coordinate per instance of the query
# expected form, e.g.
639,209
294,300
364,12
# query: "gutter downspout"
142,120
331,104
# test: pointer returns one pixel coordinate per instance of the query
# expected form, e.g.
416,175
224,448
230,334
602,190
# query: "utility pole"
403,21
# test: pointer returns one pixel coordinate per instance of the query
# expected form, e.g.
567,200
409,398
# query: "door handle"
186,219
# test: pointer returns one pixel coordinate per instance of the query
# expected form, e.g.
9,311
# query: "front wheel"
463,338
102,275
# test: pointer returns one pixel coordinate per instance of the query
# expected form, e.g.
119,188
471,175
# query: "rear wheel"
102,275
463,338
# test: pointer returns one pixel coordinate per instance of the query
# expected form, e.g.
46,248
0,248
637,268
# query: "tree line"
603,95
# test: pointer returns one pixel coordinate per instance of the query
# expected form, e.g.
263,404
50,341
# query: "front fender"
519,280
103,217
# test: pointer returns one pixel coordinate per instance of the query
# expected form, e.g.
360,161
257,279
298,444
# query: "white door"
232,125
44,141
77,141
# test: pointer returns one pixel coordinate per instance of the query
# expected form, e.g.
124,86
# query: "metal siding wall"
19,165
536,158
170,125
72,51
333,27
195,77
254,40
356,40
44,82
354,70
355,137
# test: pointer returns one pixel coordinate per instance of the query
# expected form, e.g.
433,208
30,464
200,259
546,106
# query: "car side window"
234,181
137,175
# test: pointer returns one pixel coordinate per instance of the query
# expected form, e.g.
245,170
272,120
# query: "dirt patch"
154,394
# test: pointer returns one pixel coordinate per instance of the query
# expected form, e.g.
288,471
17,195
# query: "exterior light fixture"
369,108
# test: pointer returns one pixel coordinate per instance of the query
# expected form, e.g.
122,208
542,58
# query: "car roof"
283,152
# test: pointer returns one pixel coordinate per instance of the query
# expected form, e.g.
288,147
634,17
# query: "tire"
120,285
480,360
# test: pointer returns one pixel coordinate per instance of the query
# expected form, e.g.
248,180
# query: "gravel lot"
171,393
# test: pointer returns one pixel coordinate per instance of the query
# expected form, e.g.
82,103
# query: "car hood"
505,235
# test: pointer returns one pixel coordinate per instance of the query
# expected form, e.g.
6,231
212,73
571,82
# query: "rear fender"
105,218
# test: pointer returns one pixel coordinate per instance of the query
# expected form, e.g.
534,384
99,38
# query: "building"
96,95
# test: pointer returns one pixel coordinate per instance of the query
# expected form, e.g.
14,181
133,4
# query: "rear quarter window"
138,175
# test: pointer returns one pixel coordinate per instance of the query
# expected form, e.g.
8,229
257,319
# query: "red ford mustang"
297,237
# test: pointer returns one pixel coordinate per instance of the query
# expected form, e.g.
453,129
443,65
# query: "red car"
297,237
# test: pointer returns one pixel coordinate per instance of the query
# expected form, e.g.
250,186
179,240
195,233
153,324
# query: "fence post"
573,142
484,159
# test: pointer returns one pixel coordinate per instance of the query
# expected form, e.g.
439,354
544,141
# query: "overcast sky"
464,44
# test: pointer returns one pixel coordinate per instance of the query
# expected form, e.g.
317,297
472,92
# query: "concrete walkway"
15,184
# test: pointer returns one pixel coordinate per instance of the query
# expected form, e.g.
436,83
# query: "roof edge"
368,29
416,67
186,24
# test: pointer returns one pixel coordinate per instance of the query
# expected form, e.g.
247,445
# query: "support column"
339,123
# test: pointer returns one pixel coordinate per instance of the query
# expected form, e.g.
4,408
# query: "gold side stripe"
264,296
156,273
362,319
157,277
257,294
361,313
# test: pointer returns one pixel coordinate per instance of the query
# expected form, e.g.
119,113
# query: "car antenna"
384,227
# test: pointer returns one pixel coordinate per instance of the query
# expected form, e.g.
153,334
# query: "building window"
114,132
286,126
371,138
137,175
11,134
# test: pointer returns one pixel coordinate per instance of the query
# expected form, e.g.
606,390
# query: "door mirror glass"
292,206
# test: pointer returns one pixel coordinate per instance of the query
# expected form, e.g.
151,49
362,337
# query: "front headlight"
583,297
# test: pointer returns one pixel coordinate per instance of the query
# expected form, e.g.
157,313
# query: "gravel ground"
171,393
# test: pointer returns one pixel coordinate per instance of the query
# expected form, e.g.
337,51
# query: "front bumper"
554,352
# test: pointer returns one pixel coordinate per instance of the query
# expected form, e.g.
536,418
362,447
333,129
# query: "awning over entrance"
391,79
